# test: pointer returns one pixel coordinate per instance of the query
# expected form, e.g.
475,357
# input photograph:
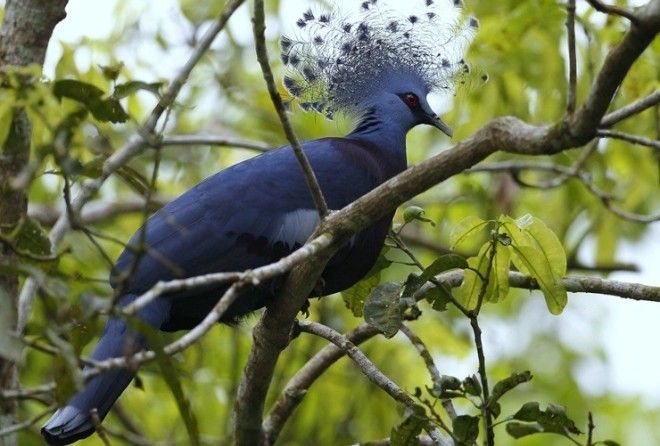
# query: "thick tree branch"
135,145
271,334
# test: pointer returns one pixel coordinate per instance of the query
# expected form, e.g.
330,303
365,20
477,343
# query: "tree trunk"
26,30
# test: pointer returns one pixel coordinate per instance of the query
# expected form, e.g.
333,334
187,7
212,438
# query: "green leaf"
92,98
111,72
440,265
508,384
472,385
438,298
406,433
10,347
466,228
29,237
498,280
447,387
495,409
554,419
78,91
355,296
470,289
519,430
384,310
538,253
538,268
131,87
551,420
466,428
528,412
7,99
550,246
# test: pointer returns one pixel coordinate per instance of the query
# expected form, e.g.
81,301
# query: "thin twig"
27,423
489,438
419,345
262,57
634,139
572,62
213,140
430,366
630,110
604,197
614,10
369,369
97,211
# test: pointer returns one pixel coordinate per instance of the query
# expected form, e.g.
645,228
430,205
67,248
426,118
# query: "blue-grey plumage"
243,217
258,211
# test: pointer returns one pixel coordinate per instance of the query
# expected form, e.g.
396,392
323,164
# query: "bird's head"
401,99
387,57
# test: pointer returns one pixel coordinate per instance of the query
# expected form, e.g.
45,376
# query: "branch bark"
26,30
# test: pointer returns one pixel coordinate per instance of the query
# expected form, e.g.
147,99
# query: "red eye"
411,99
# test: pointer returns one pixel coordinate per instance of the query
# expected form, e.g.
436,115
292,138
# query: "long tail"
74,421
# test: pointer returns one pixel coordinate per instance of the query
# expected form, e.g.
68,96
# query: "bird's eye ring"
411,99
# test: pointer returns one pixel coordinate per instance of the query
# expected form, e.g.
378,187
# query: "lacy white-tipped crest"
337,63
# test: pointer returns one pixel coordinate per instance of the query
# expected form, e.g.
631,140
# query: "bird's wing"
243,217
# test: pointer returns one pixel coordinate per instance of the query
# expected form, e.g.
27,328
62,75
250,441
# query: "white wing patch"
296,227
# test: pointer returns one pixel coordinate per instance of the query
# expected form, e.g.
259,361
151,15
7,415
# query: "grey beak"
435,121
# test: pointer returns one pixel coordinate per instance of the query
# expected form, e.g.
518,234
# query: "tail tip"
66,426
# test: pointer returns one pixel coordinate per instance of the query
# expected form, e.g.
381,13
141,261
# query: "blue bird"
380,66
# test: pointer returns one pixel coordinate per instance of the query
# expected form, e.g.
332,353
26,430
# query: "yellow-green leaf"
6,107
498,280
550,245
468,293
466,228
538,268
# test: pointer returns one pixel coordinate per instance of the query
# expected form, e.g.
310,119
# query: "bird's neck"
388,135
